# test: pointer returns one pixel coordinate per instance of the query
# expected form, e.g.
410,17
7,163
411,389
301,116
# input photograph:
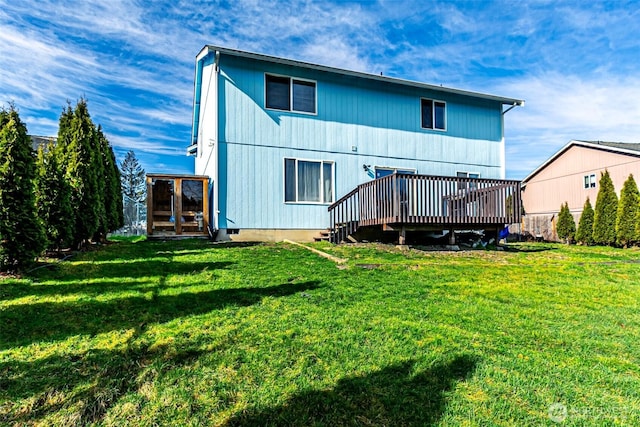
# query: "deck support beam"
452,237
402,238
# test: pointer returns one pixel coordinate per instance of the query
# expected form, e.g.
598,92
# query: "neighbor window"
289,94
308,181
590,181
433,114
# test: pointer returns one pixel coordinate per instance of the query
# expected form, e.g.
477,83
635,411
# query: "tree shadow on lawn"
528,248
109,374
393,396
23,324
127,269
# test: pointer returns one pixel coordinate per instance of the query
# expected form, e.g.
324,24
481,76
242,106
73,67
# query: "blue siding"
381,120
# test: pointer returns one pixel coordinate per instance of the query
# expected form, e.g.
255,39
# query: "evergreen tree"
133,187
113,190
53,199
21,235
606,211
63,154
627,213
105,178
117,212
118,189
566,224
585,225
77,148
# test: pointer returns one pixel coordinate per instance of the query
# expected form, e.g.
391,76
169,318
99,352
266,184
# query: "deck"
411,202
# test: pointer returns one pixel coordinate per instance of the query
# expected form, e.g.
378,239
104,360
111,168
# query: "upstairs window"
433,114
289,94
590,181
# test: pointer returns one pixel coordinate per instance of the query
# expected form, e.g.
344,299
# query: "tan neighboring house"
571,175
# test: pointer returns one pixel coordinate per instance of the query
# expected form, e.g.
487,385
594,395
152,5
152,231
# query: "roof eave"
326,68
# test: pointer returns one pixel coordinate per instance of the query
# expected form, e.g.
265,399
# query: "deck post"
452,237
402,238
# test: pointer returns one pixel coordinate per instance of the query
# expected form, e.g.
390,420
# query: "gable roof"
631,149
37,141
274,59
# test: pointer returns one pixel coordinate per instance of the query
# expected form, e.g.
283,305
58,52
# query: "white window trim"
589,181
468,173
284,181
433,114
291,79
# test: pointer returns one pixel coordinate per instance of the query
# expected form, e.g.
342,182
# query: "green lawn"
190,333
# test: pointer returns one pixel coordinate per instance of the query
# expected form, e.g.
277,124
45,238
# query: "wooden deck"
402,201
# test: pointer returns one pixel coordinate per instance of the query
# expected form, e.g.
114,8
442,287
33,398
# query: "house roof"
262,57
631,149
37,141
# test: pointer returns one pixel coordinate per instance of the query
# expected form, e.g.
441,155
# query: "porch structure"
177,206
406,202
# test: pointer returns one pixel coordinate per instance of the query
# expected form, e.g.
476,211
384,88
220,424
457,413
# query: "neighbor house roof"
632,149
261,57
37,141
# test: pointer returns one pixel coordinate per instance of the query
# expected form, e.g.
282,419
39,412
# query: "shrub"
566,224
606,212
584,234
627,213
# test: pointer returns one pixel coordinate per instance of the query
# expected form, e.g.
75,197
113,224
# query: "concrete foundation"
266,235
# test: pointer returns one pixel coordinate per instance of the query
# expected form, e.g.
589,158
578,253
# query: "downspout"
503,156
216,143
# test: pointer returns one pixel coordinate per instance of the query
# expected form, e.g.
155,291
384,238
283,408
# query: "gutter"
514,105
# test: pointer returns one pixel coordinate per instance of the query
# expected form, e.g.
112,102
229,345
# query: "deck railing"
426,200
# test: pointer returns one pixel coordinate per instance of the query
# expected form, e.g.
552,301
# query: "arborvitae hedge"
606,212
111,178
21,235
627,213
53,199
566,227
584,234
77,147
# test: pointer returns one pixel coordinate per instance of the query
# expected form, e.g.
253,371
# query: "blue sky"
576,64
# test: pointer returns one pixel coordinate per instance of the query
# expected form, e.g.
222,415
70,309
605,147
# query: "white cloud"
561,107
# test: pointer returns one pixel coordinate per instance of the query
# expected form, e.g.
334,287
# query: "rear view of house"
281,140
571,175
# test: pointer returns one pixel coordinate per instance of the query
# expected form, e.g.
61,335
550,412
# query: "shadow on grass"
103,377
394,396
23,324
129,269
539,247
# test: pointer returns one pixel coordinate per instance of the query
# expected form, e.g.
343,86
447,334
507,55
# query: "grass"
190,333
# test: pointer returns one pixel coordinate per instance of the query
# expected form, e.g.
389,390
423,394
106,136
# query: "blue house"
282,141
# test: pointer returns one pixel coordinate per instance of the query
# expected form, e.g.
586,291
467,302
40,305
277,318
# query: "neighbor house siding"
562,180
